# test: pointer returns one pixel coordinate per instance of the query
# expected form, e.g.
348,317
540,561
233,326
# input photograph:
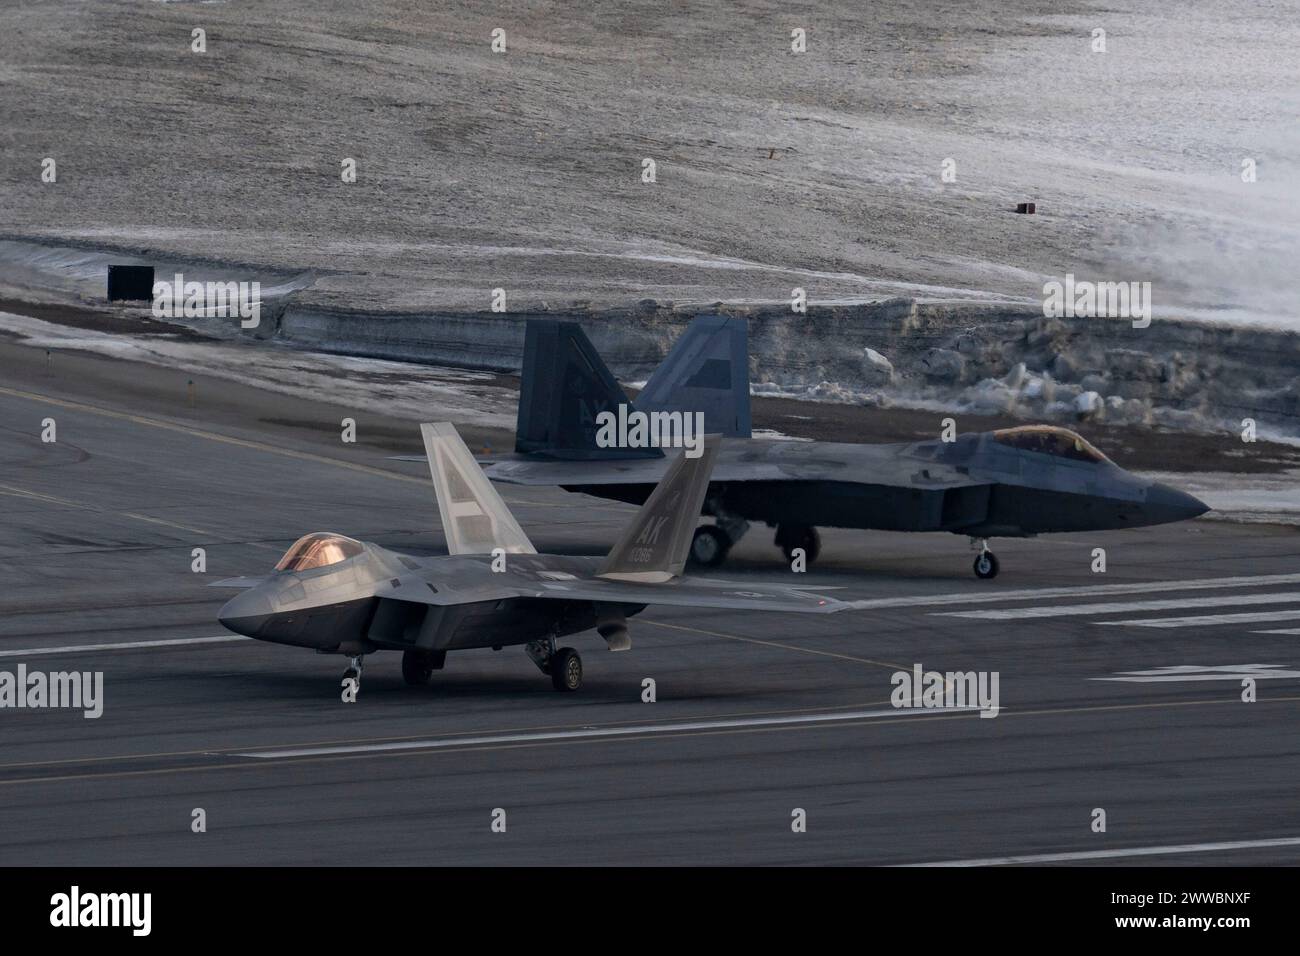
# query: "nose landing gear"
986,562
353,673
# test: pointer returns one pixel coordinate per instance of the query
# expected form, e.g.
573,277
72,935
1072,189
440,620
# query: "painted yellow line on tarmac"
246,443
16,492
782,646
208,435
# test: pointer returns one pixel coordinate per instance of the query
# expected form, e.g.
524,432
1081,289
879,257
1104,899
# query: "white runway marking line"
595,732
128,646
1288,631
1123,607
1118,854
1194,672
1096,590
1207,620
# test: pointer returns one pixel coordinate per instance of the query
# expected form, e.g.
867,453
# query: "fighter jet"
1014,482
338,595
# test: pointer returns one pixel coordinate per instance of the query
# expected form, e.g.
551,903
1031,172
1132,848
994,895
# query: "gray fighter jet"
338,595
1015,482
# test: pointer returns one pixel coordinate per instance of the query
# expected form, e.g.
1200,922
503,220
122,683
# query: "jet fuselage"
975,485
364,603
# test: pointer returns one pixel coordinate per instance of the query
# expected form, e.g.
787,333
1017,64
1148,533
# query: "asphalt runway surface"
1119,691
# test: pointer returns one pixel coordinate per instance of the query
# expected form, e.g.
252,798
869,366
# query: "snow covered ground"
393,388
1264,499
523,170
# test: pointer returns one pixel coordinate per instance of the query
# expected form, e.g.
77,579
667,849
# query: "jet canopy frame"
320,549
1050,440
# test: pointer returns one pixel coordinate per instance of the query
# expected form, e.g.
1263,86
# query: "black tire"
788,538
566,669
986,566
351,674
709,546
417,668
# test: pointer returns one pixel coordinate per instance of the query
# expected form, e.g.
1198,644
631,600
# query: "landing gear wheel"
417,668
986,565
566,669
790,537
710,545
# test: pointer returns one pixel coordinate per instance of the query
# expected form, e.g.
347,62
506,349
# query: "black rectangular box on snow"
130,283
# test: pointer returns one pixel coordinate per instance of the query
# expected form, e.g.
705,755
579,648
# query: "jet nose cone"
1166,503
245,613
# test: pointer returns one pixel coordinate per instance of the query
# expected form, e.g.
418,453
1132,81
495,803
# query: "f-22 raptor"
339,595
1014,482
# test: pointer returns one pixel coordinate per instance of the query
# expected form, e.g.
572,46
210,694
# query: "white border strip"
1117,854
132,645
1125,607
1096,590
597,732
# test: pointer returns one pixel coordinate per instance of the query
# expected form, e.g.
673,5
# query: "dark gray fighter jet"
1015,482
338,595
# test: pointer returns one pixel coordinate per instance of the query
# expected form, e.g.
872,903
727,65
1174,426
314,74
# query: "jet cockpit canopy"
1049,440
319,550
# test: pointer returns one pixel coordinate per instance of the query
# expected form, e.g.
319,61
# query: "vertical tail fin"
565,386
706,371
655,544
474,518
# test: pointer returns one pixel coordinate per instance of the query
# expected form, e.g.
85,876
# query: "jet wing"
639,471
483,460
682,592
692,592
414,589
650,471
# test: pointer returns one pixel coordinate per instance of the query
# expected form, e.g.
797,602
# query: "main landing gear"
563,665
986,562
418,665
711,543
566,669
790,537
354,670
